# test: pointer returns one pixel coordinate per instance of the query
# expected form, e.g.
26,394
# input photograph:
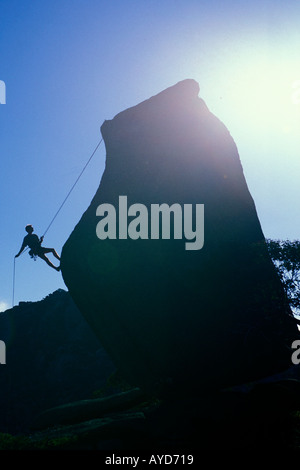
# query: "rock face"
171,317
51,358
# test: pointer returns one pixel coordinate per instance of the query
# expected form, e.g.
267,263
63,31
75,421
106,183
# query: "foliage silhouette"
285,255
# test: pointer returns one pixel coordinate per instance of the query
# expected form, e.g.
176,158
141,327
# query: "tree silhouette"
285,255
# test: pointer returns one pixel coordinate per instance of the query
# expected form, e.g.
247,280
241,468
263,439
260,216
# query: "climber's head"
29,228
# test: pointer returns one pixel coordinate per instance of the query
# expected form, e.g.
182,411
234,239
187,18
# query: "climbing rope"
78,178
56,214
14,276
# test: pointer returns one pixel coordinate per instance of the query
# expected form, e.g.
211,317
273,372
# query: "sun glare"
267,96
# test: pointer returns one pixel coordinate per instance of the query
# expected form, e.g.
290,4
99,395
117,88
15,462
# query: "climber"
34,243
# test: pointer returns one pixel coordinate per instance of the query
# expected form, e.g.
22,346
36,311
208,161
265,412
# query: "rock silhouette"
172,318
52,355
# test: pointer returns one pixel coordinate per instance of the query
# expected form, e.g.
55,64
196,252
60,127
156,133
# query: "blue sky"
69,65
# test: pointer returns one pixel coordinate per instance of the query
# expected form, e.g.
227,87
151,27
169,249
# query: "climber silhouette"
34,243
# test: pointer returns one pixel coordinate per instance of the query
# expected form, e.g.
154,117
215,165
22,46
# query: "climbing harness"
57,212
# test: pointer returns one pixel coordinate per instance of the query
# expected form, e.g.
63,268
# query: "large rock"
168,316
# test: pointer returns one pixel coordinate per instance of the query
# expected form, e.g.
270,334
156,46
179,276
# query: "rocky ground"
264,415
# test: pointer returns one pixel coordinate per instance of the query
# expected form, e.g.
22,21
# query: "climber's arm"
21,249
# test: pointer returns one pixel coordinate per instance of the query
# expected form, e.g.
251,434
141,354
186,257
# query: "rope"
14,276
64,201
56,214
67,196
